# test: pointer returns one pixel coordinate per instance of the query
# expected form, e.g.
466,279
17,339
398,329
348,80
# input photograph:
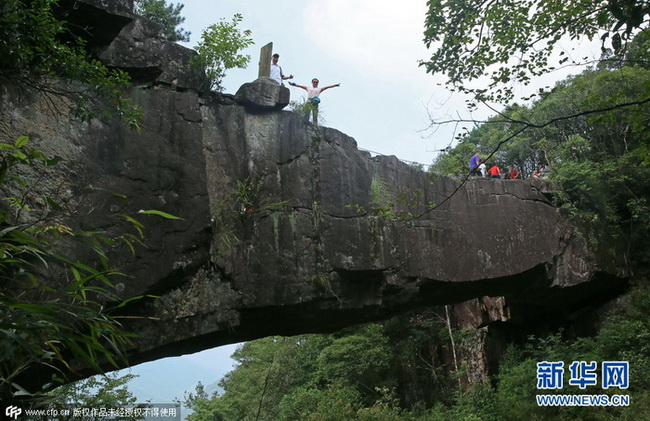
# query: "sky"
166,380
372,48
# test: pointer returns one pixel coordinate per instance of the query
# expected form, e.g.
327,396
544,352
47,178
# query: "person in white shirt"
313,98
276,70
483,168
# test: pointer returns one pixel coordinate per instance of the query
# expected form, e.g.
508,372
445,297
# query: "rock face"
288,228
142,50
97,21
263,94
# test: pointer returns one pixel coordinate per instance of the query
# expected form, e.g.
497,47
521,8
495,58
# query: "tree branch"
525,126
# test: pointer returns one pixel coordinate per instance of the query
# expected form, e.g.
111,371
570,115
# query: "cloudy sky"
371,47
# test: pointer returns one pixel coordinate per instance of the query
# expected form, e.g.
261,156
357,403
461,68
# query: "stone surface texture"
289,228
263,94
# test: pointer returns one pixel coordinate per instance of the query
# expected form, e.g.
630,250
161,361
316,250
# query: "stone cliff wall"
289,228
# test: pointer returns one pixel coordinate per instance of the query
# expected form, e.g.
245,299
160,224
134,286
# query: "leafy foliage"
331,403
305,108
500,140
593,130
360,360
54,310
203,407
599,159
168,15
350,375
219,50
315,382
513,41
623,338
107,391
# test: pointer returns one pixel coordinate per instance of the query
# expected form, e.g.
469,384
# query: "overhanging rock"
300,242
142,50
284,230
96,21
288,228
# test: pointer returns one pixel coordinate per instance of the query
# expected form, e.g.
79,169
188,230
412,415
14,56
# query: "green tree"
330,390
595,155
219,50
512,41
454,162
600,160
500,140
333,403
108,391
313,377
638,51
267,370
624,337
360,359
168,15
204,407
601,168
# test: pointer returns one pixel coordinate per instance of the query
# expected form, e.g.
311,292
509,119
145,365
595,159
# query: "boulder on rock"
263,93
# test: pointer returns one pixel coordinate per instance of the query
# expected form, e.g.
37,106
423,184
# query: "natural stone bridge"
288,228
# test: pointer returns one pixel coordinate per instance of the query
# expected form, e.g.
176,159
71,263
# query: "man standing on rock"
313,99
276,70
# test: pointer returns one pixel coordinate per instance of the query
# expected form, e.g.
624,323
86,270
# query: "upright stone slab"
265,60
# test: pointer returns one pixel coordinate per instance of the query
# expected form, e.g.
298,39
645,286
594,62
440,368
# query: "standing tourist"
276,70
495,171
474,163
313,98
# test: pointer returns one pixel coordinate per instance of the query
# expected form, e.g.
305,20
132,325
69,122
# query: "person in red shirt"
495,172
514,173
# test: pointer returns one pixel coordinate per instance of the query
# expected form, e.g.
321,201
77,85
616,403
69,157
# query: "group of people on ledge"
478,168
313,91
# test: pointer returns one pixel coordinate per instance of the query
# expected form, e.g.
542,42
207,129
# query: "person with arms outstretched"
313,98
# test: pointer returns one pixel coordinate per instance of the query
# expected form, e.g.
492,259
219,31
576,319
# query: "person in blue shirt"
474,162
